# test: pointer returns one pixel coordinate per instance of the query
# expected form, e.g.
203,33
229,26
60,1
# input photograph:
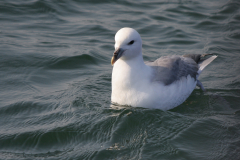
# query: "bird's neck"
131,65
130,72
134,63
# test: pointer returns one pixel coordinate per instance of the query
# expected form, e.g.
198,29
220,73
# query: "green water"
55,80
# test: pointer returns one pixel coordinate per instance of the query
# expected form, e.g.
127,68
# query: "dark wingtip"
195,57
203,55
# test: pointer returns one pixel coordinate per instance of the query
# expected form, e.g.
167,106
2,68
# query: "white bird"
164,84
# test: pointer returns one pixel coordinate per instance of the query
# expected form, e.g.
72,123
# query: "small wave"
73,62
230,8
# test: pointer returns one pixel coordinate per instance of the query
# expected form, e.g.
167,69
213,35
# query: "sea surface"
55,80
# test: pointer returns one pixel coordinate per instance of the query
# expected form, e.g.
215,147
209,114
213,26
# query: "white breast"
133,87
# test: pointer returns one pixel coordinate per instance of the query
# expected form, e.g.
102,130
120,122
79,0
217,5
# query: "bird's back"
169,69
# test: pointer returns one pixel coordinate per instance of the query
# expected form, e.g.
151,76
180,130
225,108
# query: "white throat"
129,75
128,70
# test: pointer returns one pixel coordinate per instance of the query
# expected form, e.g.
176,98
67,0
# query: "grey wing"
170,69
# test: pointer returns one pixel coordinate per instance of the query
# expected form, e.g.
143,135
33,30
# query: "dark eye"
130,43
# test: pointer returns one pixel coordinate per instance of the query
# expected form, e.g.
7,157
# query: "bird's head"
128,44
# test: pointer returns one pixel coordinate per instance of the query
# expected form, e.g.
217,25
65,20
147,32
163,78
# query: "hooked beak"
116,55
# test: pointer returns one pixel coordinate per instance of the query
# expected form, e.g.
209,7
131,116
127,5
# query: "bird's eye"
130,43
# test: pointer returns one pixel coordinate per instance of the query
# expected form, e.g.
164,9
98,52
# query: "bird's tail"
205,62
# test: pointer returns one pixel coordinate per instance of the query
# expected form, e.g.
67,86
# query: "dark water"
55,80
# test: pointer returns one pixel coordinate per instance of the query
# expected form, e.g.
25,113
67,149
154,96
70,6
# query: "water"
55,83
